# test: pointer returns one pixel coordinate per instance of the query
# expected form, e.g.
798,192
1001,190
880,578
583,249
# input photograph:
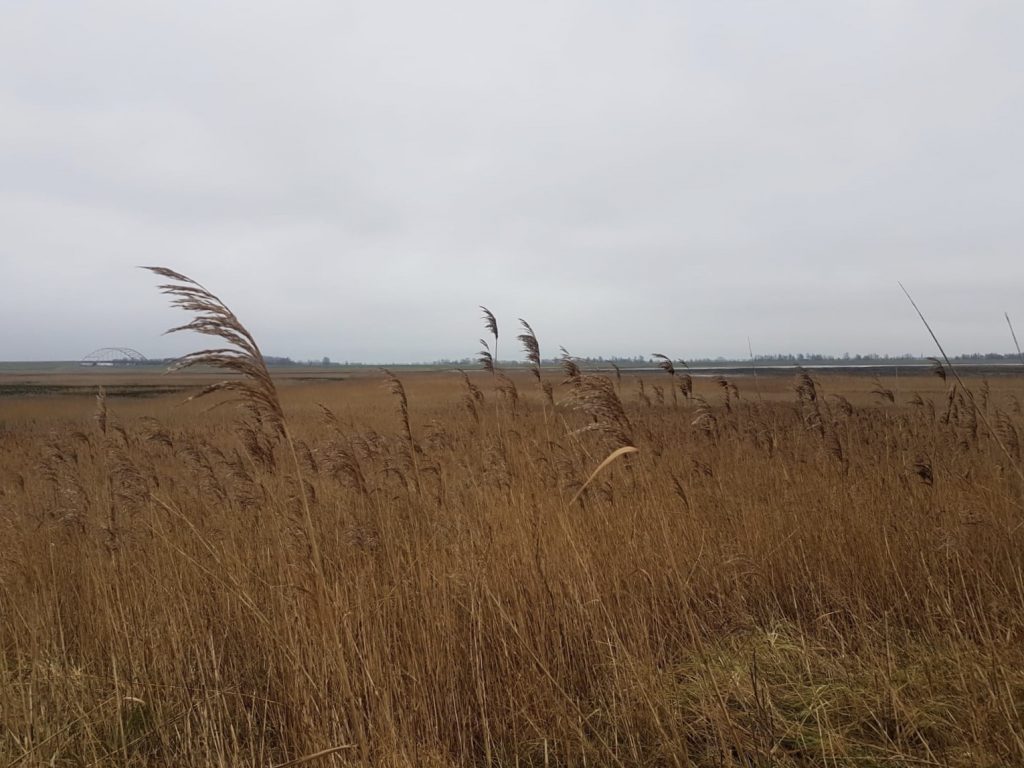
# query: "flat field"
817,570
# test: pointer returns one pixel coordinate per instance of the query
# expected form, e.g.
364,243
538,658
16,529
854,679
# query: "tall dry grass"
817,577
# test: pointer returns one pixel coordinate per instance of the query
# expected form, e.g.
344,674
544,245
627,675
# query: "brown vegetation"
830,574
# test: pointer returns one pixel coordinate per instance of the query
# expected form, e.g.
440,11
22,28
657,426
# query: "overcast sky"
354,178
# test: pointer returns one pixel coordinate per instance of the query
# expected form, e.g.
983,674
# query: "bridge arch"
113,356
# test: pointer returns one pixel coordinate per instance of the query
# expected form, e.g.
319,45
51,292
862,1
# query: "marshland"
725,472
426,569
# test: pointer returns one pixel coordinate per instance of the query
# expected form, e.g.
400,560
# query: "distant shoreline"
895,368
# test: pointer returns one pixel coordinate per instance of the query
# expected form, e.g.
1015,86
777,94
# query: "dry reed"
821,576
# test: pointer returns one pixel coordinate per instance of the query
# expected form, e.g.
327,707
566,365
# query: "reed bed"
413,570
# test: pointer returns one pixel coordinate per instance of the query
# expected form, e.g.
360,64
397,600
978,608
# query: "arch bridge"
113,356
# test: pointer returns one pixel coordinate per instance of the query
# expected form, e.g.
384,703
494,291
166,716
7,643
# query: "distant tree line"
635,361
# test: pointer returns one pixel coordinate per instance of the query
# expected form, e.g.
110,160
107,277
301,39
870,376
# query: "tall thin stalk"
970,395
1014,335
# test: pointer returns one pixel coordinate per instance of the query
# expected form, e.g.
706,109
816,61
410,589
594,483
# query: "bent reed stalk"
255,390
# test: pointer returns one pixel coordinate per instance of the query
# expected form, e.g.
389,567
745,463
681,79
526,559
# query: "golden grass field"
770,580
533,568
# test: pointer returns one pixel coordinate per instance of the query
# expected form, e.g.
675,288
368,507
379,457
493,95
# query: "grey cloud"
356,177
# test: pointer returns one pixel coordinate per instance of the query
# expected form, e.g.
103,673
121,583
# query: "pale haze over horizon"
354,179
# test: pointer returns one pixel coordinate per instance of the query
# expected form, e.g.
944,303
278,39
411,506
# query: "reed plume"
667,366
595,395
473,397
570,368
255,391
883,392
532,349
243,356
686,385
491,324
485,358
398,390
